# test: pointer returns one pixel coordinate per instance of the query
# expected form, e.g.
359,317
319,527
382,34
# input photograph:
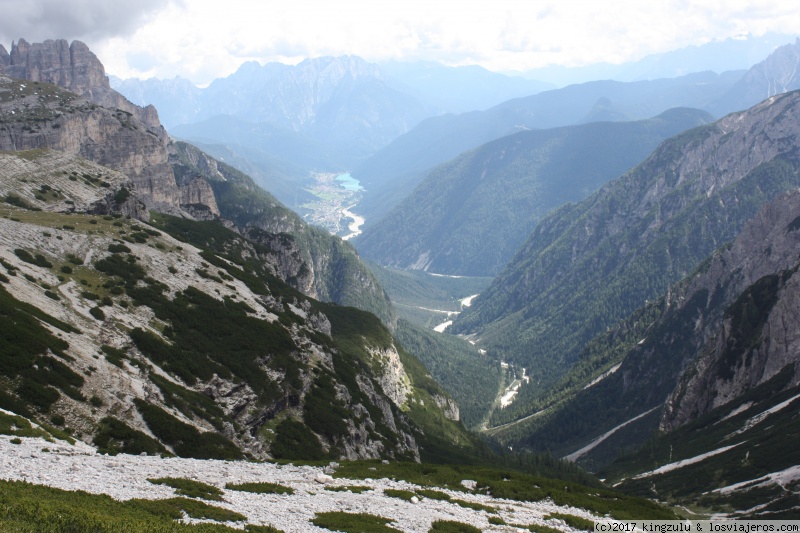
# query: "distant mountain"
280,156
392,173
460,89
777,74
735,53
470,215
588,265
348,106
178,99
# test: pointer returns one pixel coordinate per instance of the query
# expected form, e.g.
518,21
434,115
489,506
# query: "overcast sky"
203,39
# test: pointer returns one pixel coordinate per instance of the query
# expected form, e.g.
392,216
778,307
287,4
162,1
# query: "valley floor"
335,199
123,477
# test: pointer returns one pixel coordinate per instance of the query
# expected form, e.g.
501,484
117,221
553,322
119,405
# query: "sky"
201,40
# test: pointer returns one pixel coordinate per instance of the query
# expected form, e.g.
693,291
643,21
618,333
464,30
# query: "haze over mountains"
641,237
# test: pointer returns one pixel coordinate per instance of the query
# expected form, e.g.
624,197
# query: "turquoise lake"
349,182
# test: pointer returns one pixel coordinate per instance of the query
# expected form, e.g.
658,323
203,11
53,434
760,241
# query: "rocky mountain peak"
778,72
75,68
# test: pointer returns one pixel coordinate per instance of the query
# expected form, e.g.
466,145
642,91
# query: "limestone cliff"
75,68
38,115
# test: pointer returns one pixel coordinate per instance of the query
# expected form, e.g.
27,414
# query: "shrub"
38,260
352,522
260,488
116,248
186,440
398,493
295,441
189,487
573,521
122,195
451,526
97,313
114,436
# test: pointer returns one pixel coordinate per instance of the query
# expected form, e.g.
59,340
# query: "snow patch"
760,417
686,462
467,302
781,478
574,456
443,326
602,376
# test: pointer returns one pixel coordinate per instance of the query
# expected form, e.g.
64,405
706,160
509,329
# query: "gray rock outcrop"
750,331
75,68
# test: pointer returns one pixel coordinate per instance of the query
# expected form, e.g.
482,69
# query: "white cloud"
202,39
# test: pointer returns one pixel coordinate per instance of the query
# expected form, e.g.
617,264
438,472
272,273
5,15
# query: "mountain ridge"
632,239
470,215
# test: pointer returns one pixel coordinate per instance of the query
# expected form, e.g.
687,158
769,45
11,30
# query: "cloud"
38,20
205,39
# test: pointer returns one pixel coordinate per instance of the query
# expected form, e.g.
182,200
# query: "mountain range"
392,173
587,265
470,215
154,300
734,53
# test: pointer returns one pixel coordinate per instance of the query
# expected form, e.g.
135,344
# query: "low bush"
189,487
260,488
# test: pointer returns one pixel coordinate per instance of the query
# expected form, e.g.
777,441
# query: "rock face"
449,406
749,334
75,68
392,377
99,124
777,74
39,115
